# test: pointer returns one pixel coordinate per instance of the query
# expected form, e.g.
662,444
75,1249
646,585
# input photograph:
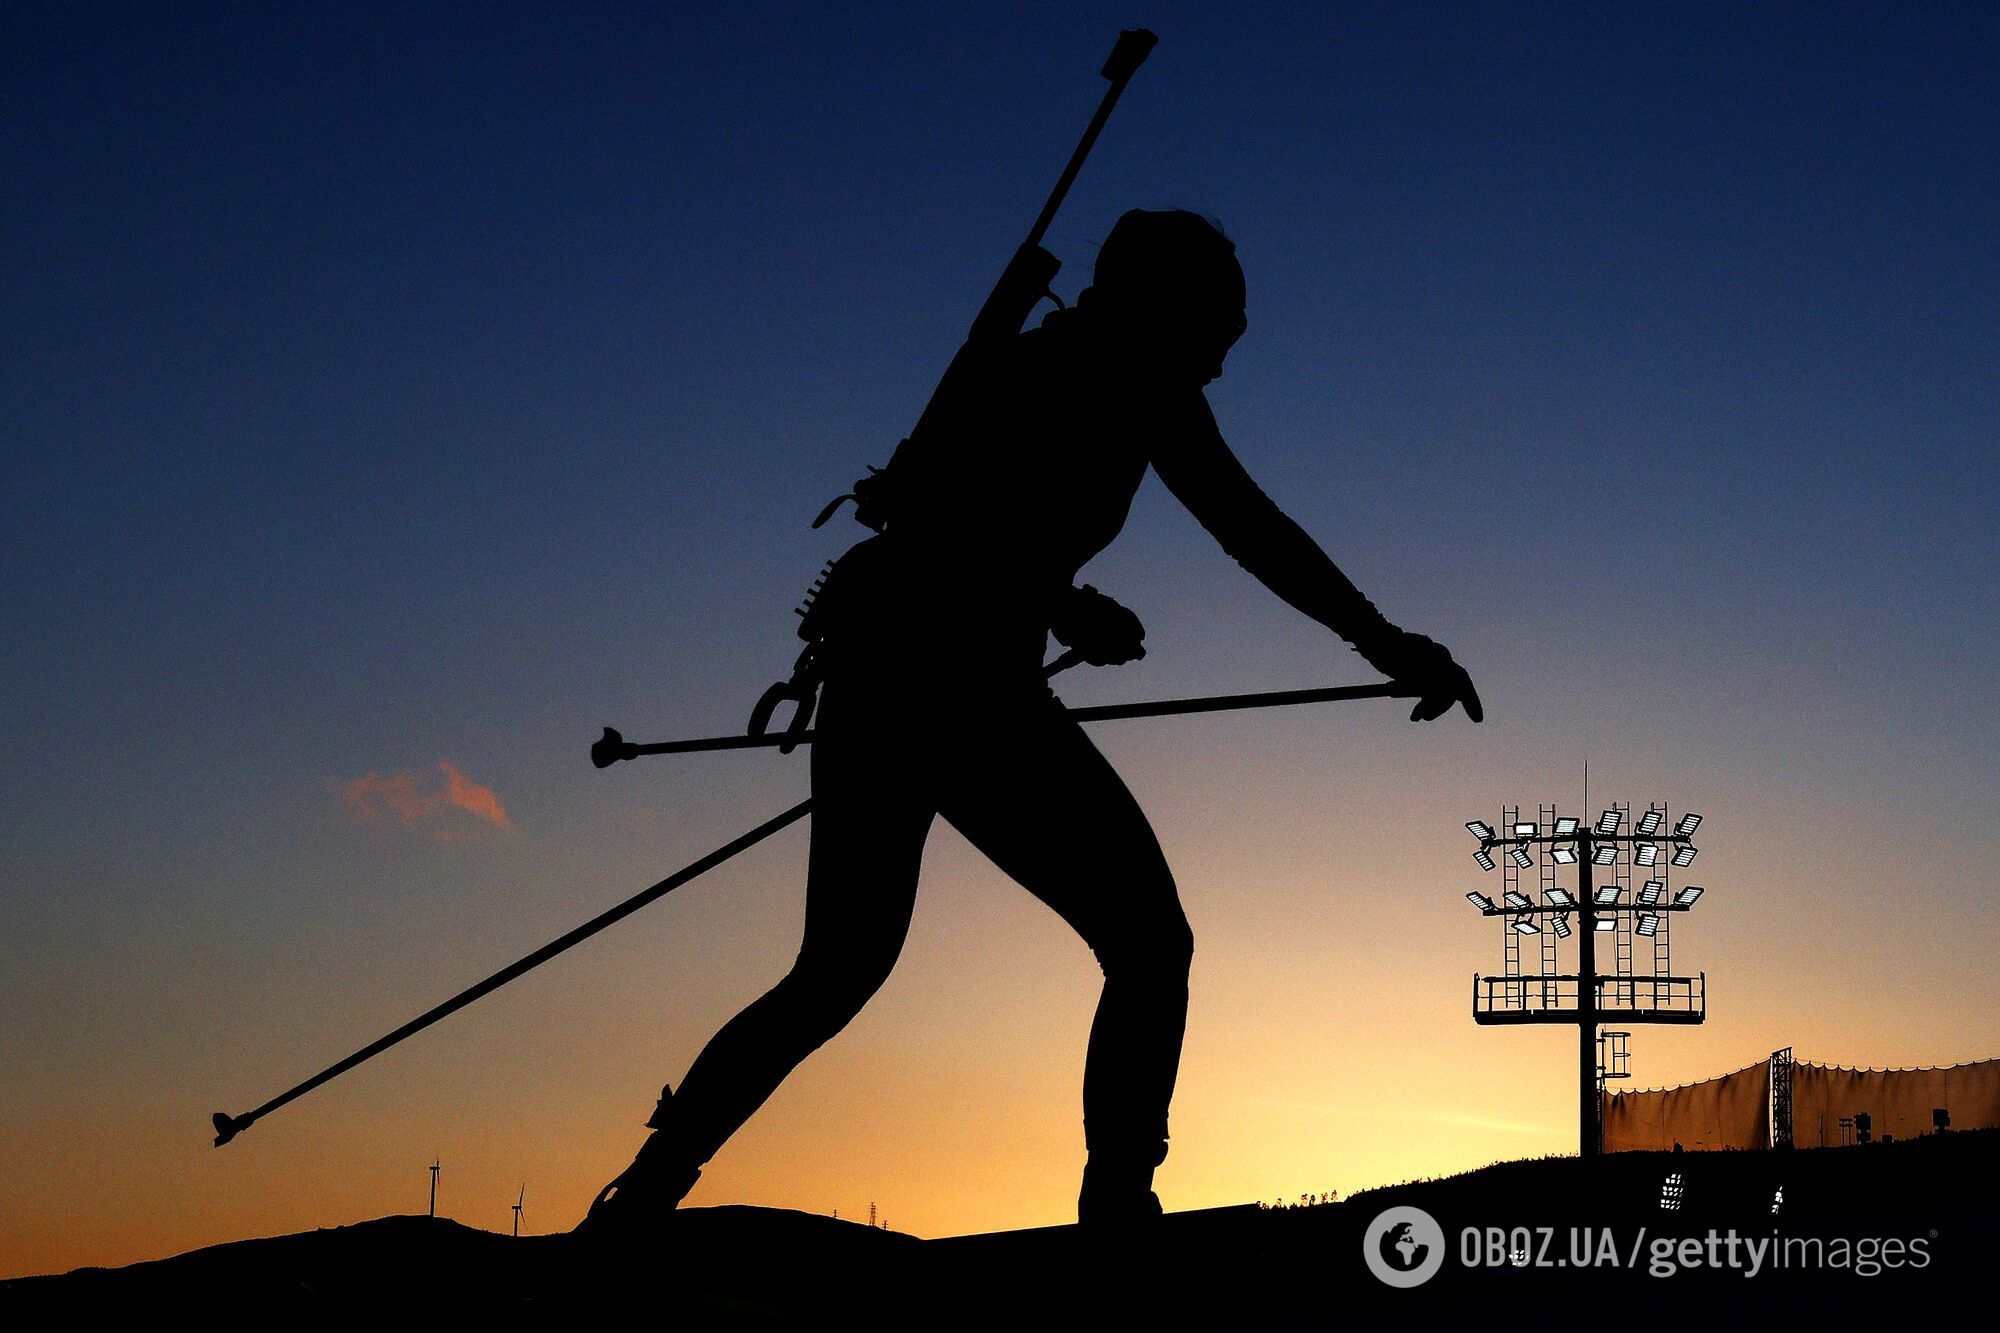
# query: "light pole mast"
1589,1141
1659,997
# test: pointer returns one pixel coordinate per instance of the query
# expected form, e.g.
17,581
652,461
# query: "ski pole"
228,1126
611,747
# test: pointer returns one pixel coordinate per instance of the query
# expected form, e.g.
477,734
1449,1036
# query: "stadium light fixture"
1606,982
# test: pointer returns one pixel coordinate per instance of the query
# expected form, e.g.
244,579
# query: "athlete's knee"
1158,947
1175,944
823,997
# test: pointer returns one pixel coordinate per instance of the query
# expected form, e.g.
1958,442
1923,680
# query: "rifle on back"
1023,284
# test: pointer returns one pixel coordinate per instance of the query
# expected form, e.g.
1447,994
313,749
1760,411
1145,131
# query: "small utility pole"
435,1164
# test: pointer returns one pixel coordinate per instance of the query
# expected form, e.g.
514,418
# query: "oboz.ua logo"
1404,1247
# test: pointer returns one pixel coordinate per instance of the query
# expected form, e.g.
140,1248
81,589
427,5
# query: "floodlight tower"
1613,907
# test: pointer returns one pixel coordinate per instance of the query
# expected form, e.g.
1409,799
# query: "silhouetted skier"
984,525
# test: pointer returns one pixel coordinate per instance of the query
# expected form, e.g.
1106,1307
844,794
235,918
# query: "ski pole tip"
227,1127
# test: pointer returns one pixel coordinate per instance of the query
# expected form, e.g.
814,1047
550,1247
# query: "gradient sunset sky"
395,397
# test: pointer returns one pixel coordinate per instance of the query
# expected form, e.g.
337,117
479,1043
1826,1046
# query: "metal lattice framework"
1781,1098
1623,889
1613,1059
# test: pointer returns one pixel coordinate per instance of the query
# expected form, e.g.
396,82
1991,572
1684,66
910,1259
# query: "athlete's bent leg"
861,887
869,826
1050,811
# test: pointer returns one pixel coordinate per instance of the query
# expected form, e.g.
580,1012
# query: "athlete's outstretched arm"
1198,467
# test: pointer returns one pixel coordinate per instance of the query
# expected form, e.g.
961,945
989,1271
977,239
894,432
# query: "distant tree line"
1303,1201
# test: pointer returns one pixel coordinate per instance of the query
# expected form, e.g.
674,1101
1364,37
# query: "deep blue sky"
384,386
327,323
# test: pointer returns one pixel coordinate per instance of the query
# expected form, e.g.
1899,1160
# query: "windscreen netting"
1728,1112
1898,1102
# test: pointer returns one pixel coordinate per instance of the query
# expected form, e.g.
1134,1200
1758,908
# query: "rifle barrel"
1133,47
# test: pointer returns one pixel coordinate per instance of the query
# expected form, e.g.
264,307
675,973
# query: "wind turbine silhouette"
517,1209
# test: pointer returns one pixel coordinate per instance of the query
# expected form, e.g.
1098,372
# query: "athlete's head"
1170,283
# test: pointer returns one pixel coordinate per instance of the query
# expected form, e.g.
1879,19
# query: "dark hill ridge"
1225,1267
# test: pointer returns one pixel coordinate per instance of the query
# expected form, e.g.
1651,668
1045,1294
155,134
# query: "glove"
1098,627
1426,667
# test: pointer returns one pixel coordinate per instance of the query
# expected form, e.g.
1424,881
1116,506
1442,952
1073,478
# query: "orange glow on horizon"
1330,1048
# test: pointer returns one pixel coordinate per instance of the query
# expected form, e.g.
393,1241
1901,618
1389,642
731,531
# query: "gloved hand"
1427,667
1098,627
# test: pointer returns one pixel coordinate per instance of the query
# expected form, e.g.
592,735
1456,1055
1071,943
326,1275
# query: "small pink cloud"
415,798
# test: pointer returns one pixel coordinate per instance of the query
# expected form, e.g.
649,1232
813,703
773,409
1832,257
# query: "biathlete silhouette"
1021,470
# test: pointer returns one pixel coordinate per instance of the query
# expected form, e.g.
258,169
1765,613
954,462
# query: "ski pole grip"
1134,45
802,698
802,712
611,747
767,703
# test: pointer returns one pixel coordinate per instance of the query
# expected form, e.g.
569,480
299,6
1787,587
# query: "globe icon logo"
1403,1246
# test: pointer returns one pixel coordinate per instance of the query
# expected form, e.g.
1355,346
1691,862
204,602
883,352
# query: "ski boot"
1118,1187
642,1198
